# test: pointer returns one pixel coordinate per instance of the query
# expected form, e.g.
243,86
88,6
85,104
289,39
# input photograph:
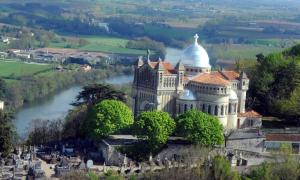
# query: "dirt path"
48,172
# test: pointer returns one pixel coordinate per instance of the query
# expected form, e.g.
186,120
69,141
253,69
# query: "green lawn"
104,44
15,69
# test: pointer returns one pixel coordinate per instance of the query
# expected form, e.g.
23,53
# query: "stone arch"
222,110
216,110
209,109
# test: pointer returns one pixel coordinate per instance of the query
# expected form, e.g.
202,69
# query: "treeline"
73,26
275,84
30,88
82,23
146,43
50,17
26,38
130,27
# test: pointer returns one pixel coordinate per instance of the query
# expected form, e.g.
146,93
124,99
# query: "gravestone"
89,164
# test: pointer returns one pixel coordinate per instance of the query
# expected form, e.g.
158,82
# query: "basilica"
190,84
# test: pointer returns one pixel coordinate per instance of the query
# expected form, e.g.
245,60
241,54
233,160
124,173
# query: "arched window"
160,78
229,108
185,107
216,110
203,108
222,110
180,78
209,109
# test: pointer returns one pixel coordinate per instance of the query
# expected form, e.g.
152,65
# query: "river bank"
55,106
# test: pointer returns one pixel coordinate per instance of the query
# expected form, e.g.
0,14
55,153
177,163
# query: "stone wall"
253,144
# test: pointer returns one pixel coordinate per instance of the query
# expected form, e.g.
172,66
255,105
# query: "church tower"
243,88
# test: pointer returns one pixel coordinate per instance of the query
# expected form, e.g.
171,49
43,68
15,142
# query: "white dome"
233,95
195,55
187,95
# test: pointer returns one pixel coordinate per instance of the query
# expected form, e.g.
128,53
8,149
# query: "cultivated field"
103,44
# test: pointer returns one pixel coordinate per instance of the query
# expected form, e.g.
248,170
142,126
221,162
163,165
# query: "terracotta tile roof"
185,78
229,75
250,114
210,78
283,137
167,66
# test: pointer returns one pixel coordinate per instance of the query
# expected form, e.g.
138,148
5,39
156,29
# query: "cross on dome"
195,55
196,38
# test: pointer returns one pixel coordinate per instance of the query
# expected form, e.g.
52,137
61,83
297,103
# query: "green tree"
273,81
7,133
154,127
95,93
108,117
289,169
3,89
200,128
222,170
262,171
290,106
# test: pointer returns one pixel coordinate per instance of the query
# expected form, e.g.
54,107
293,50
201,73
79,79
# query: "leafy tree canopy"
273,83
95,93
222,169
293,51
108,117
154,127
7,133
200,128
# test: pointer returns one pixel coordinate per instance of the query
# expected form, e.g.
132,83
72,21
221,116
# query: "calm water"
54,107
58,105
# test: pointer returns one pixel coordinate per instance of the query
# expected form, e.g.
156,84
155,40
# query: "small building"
108,148
273,142
3,54
5,40
19,53
249,119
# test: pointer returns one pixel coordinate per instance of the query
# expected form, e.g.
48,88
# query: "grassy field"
241,51
12,69
104,44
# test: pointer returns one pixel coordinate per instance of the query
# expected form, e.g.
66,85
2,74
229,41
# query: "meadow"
240,51
14,69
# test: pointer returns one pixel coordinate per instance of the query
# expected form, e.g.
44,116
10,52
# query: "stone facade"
190,84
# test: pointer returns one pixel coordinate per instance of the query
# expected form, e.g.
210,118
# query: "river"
57,106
